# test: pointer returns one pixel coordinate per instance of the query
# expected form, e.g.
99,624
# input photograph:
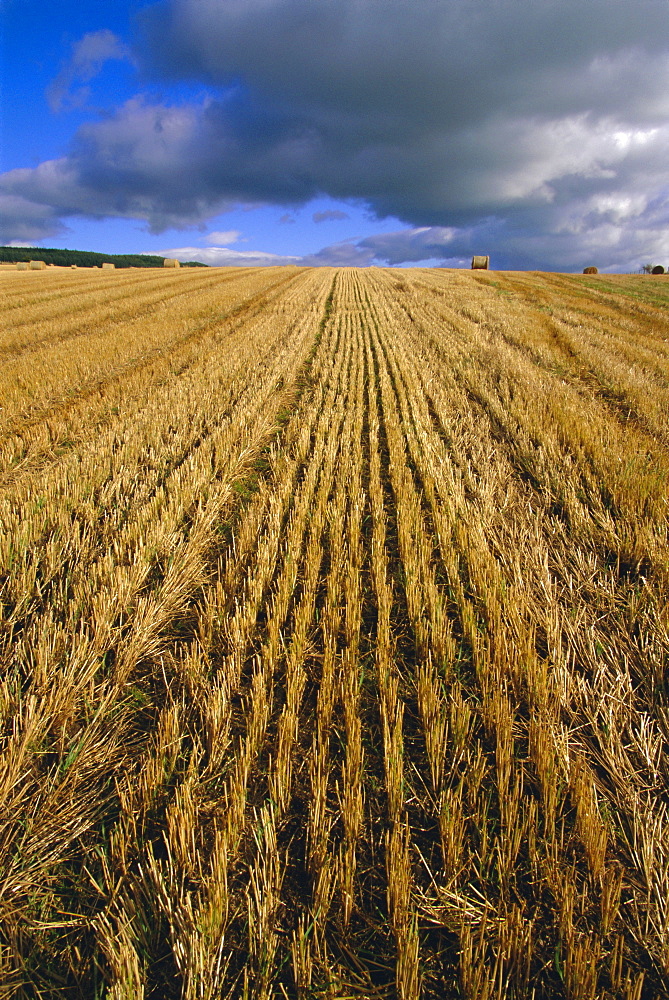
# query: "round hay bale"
22,265
658,269
480,263
171,262
108,266
73,267
590,270
37,265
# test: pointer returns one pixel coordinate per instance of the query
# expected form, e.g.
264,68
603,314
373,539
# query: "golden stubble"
334,635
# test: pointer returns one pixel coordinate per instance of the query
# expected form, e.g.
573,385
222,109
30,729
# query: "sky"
345,132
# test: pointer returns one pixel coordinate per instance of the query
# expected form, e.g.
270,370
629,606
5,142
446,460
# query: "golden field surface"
335,642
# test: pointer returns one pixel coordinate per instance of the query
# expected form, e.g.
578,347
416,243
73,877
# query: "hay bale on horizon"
480,263
73,267
37,265
108,266
658,269
171,262
590,270
22,265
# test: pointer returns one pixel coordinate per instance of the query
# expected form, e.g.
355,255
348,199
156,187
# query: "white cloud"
223,257
225,236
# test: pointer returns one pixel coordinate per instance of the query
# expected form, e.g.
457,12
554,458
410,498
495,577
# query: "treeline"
84,258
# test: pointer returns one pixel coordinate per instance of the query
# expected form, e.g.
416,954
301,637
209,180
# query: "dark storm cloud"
543,123
439,63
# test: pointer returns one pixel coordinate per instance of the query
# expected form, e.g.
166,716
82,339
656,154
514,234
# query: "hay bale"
108,266
22,265
658,269
480,263
37,265
73,267
590,270
170,262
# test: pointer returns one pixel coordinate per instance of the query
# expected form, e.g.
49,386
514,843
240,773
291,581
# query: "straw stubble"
334,635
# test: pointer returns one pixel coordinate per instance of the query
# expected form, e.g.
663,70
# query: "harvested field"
335,642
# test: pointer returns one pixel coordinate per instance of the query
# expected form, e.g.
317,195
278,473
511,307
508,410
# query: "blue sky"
339,131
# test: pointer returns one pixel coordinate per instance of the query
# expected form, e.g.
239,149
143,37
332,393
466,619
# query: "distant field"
335,641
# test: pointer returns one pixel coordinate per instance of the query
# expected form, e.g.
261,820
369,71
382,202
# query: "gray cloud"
543,127
347,253
330,215
453,247
88,57
414,245
27,220
146,162
403,246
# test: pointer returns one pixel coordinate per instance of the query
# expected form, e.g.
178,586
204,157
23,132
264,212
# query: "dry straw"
107,266
590,270
171,262
37,265
480,263
22,265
